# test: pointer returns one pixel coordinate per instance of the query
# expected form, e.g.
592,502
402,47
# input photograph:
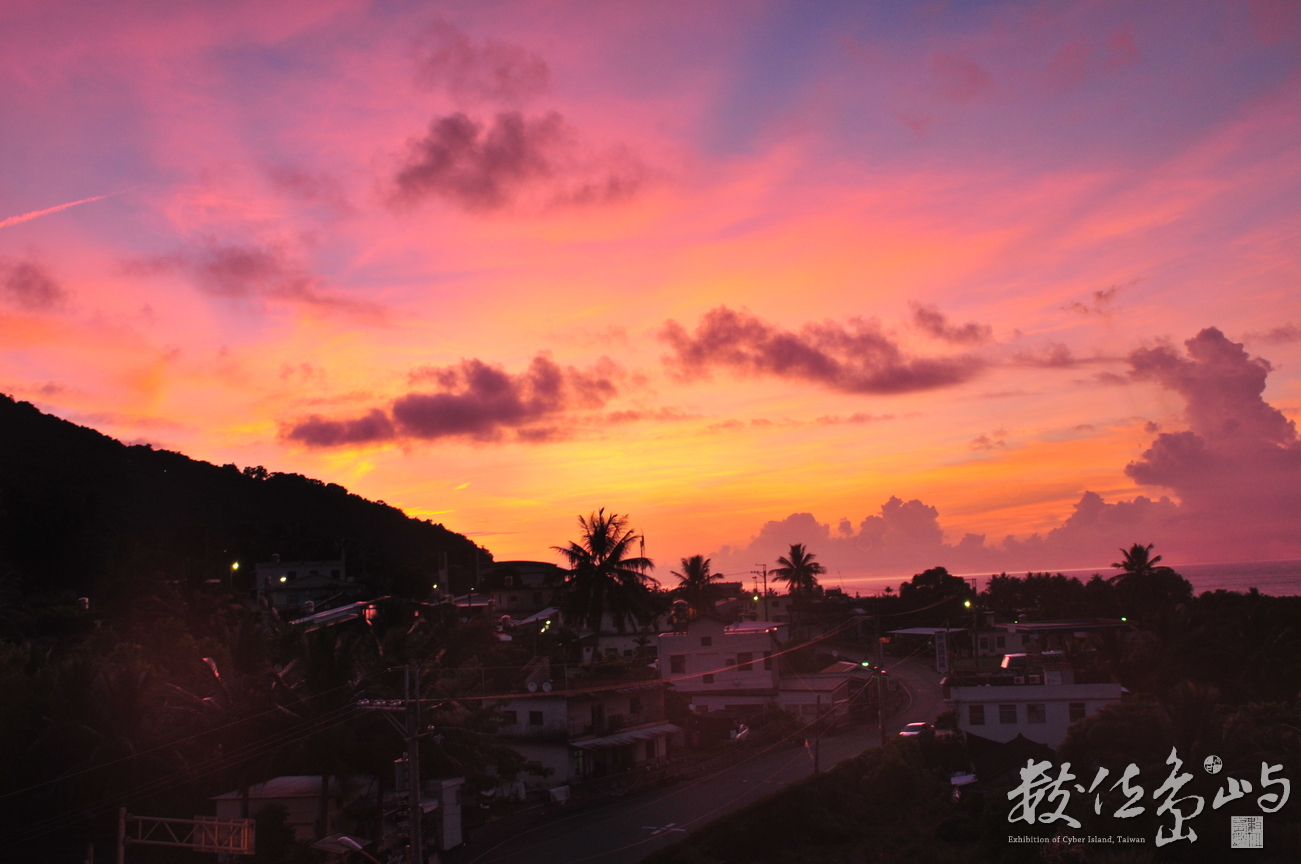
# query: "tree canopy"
605,577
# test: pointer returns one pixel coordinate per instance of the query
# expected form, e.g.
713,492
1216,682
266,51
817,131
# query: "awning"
629,737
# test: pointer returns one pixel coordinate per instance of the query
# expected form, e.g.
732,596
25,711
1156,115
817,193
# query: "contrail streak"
36,214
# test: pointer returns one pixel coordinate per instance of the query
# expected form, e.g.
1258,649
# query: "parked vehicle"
912,730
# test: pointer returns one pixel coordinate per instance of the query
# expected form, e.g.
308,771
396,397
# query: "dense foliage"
81,512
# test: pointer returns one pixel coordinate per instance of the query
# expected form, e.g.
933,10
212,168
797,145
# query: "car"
912,730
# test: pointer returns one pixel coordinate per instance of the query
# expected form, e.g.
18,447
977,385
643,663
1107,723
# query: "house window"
1001,642
744,661
976,715
581,767
1077,711
767,661
677,664
651,751
509,718
1035,713
535,718
706,641
707,678
984,643
634,705
1007,713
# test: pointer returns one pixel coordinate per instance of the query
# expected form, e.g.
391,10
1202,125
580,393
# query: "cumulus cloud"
932,321
855,357
249,272
1234,478
28,285
1237,448
472,400
447,59
485,167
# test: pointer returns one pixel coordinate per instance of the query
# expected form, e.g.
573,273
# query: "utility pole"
764,574
415,812
817,736
880,681
410,732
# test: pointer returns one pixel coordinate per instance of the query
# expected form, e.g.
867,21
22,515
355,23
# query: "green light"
866,663
1124,619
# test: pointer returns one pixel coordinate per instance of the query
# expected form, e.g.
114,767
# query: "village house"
304,587
1035,696
593,729
995,639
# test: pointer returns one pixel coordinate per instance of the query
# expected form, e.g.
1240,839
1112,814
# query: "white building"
1001,710
719,665
585,735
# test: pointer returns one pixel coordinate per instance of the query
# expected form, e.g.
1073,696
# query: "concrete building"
719,665
994,639
304,587
1033,698
611,728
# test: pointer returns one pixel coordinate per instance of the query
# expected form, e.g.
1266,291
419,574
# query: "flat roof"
927,631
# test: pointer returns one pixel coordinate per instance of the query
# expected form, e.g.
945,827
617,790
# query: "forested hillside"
80,511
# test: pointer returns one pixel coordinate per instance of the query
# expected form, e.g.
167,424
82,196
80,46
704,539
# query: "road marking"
669,827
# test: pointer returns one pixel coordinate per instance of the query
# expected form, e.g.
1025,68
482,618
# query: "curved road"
627,829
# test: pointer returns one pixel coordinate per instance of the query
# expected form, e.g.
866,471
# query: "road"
627,829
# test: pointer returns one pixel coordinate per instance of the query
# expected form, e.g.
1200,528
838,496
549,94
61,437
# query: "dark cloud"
992,441
855,357
319,188
1054,355
473,400
249,272
27,284
1281,335
931,321
489,70
487,167
316,431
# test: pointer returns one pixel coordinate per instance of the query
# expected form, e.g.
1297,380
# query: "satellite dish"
533,686
546,686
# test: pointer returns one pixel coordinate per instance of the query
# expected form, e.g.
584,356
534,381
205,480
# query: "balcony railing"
611,724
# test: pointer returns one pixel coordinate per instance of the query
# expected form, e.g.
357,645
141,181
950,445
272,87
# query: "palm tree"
1137,565
1146,588
603,575
799,571
697,585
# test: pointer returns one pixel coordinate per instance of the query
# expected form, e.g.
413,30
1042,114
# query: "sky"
988,285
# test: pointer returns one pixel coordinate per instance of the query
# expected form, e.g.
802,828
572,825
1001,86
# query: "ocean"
1280,578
